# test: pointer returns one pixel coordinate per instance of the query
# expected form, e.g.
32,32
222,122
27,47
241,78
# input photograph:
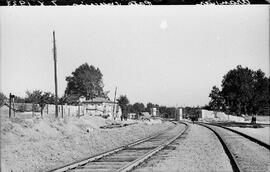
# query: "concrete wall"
220,116
207,114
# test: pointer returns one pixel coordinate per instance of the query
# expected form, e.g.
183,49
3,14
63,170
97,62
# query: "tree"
138,107
130,108
19,99
37,96
171,111
244,91
260,100
149,106
163,111
85,81
123,103
3,98
217,101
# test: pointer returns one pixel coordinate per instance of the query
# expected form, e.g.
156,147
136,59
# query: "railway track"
264,144
128,157
245,153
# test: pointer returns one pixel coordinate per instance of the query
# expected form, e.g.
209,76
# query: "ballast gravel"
262,134
250,156
200,150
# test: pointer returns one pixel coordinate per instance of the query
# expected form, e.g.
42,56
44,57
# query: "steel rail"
143,158
98,156
267,146
232,158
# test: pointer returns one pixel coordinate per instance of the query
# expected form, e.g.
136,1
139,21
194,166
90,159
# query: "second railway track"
126,158
245,153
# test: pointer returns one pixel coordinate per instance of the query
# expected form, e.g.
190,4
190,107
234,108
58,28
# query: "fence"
63,110
68,110
26,107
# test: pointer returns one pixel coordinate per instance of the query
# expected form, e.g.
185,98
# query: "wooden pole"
32,109
9,105
114,102
62,111
55,76
79,110
13,107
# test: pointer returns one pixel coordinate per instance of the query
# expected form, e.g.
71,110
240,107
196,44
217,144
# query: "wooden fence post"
78,110
13,107
32,110
62,111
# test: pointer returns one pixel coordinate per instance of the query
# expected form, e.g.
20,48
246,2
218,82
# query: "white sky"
170,55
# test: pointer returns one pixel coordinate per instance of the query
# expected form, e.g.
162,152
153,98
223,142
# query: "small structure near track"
101,107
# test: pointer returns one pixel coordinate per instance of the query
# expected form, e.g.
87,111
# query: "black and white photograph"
141,87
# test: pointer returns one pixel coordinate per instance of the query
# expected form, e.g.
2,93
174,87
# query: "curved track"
128,157
267,146
245,153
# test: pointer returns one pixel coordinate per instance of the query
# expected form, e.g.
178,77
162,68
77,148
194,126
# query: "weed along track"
245,153
127,157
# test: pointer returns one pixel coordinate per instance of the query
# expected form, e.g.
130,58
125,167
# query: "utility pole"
11,101
175,113
9,109
114,102
55,76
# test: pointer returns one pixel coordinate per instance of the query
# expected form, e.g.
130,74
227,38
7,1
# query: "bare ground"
37,144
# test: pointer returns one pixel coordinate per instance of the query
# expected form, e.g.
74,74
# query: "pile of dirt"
41,144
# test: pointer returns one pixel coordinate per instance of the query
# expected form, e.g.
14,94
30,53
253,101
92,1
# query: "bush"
21,107
2,99
35,108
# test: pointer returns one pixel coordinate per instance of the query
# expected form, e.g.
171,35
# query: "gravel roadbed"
199,150
42,144
261,134
249,155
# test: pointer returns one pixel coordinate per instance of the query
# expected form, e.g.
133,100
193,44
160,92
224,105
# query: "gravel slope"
42,144
200,150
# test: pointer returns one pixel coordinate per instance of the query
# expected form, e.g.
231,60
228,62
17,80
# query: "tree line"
243,91
86,81
138,108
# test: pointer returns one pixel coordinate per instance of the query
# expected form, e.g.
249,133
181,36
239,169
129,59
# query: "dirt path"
199,151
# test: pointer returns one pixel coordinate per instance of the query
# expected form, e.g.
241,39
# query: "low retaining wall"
220,115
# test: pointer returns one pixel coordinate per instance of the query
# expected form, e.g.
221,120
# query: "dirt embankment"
43,144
